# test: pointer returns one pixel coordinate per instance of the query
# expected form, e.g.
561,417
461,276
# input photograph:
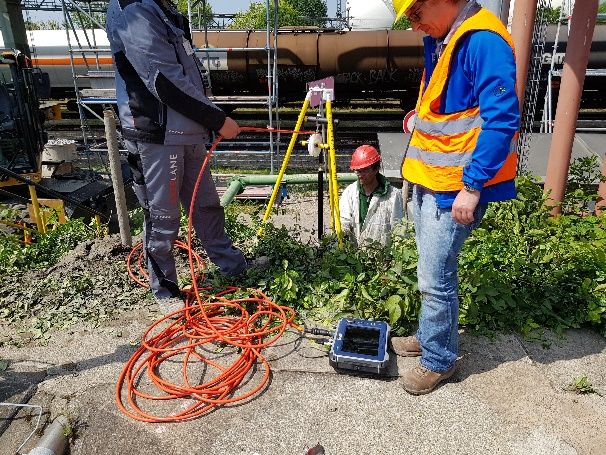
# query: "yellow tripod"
333,189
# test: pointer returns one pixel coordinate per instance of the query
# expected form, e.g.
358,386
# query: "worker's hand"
464,205
230,128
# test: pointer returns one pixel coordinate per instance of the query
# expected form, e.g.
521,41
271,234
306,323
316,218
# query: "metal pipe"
17,226
569,100
36,209
237,184
551,69
320,198
54,441
229,49
332,167
117,178
522,28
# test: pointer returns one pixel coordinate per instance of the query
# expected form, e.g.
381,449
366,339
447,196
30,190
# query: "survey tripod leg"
291,146
332,171
335,220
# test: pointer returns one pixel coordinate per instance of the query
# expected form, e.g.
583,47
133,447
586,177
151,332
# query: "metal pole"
237,184
522,27
569,100
550,103
117,180
320,197
332,168
551,69
54,441
505,6
36,209
291,146
270,80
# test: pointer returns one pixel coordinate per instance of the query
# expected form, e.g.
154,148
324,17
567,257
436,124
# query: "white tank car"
50,52
370,14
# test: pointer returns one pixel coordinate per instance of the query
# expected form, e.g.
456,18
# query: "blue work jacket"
483,60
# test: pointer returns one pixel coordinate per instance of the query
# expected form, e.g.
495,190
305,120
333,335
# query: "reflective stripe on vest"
442,144
458,159
449,127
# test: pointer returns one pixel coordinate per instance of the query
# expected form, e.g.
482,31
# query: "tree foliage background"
201,15
311,11
255,17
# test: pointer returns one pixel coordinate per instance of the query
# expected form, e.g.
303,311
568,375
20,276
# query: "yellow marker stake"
334,186
36,208
98,224
291,146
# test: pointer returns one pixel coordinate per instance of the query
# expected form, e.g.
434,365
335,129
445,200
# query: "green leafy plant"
525,270
580,385
46,248
521,270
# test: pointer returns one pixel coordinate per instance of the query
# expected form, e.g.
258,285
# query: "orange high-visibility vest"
442,144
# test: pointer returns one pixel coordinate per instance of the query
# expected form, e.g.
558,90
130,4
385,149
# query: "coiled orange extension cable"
207,319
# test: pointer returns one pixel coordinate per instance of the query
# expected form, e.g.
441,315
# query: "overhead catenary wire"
210,323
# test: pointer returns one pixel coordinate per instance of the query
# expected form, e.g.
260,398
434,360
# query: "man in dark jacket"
165,119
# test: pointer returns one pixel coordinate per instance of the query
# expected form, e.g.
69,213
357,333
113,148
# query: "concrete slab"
507,397
584,145
392,147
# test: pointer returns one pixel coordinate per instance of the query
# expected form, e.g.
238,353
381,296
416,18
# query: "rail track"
355,125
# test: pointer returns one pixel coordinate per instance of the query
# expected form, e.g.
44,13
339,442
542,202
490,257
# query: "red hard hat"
364,156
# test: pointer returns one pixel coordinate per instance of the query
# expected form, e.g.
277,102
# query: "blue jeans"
439,241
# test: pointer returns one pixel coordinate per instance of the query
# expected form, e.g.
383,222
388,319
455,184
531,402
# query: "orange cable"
207,318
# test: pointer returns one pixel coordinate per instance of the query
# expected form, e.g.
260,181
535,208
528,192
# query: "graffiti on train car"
228,77
558,59
388,62
371,78
213,60
382,76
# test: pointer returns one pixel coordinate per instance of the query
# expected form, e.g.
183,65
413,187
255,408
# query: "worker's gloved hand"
230,128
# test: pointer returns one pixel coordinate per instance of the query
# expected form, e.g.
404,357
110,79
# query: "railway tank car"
50,50
365,63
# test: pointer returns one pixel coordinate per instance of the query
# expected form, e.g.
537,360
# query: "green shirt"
380,190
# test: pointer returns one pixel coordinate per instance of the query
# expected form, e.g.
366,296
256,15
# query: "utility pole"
13,26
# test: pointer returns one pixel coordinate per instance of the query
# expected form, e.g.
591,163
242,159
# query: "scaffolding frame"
547,121
82,43
271,100
532,87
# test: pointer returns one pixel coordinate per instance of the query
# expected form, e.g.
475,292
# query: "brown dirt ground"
90,285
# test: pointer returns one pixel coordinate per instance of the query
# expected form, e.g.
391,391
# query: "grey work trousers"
165,177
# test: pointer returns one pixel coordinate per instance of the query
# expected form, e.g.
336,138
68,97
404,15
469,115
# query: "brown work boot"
406,346
421,380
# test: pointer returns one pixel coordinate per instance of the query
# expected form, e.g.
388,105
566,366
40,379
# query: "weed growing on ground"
580,385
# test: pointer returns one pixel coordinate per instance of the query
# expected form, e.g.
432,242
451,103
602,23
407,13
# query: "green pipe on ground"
237,184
